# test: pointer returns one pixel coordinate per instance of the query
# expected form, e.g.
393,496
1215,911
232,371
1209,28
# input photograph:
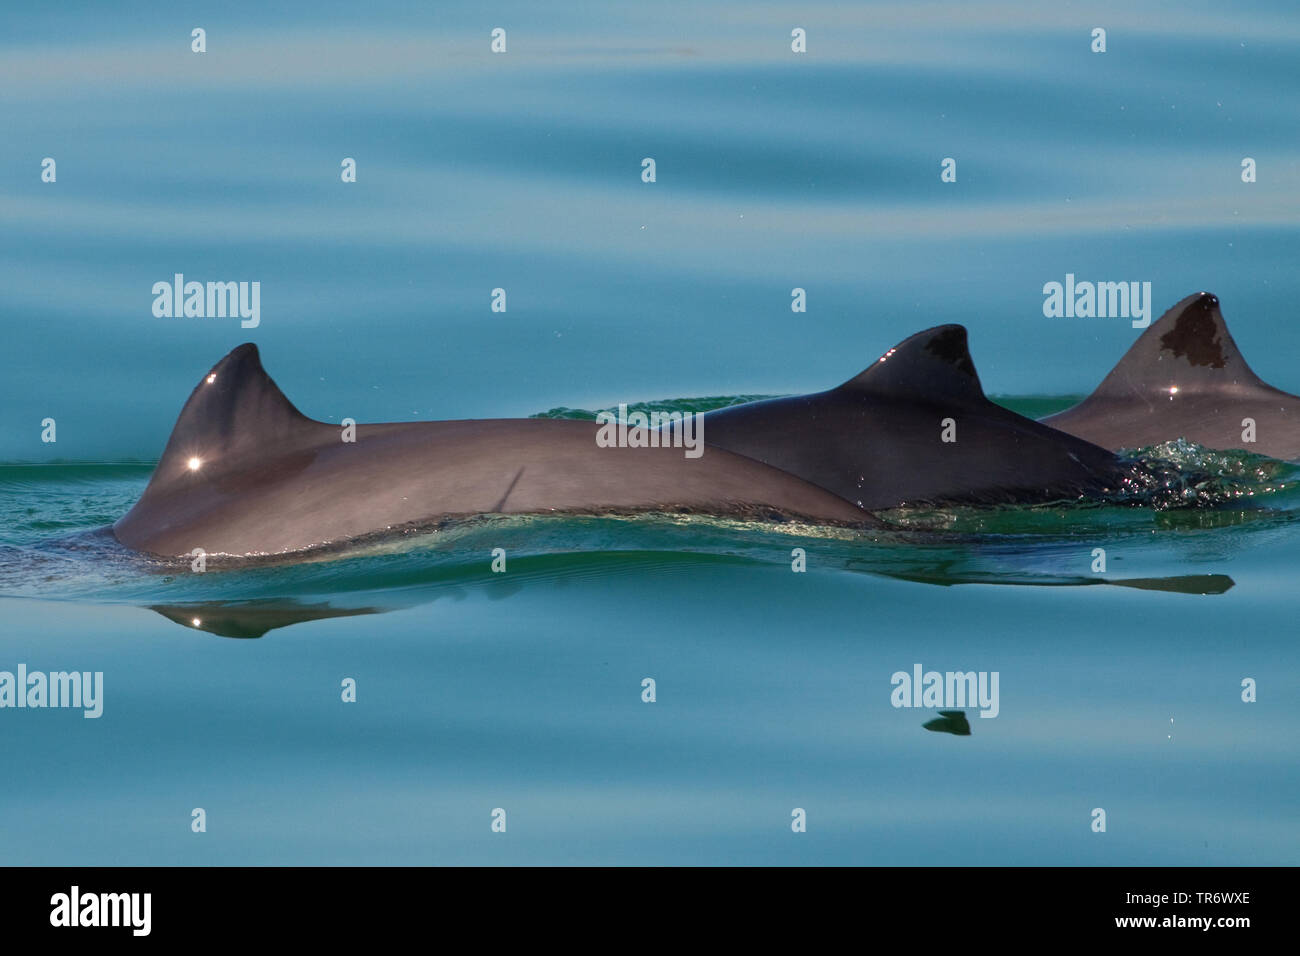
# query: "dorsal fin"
236,412
933,363
1189,347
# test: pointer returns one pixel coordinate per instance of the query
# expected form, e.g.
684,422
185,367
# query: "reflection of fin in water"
1176,584
251,618
1183,584
950,722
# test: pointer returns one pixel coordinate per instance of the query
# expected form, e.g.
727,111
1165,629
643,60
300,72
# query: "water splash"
1183,474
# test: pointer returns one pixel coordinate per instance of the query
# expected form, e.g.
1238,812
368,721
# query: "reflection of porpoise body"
1185,378
915,427
252,619
245,473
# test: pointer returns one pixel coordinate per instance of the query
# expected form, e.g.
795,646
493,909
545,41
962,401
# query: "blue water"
522,690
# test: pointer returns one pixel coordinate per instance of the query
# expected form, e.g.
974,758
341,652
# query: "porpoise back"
880,440
245,473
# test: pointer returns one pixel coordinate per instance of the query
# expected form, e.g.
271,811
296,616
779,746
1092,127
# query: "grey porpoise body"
245,473
1185,378
877,440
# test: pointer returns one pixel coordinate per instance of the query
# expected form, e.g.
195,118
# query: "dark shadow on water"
1177,584
950,722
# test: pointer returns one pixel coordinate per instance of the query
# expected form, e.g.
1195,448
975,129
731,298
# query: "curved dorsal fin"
933,363
235,412
1189,347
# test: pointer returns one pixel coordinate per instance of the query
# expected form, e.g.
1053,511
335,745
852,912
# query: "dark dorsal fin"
1189,347
933,363
234,414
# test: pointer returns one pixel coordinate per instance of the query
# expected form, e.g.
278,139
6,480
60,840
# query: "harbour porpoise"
915,427
1185,378
245,473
